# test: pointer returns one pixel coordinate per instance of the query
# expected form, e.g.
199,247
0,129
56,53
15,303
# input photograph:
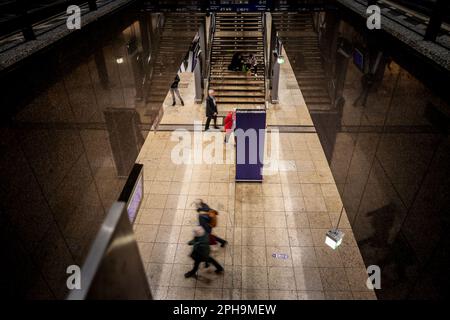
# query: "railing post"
275,73
25,23
436,17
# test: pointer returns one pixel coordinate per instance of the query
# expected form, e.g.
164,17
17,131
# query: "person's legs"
215,122
173,96
177,91
194,269
219,268
221,241
227,135
208,121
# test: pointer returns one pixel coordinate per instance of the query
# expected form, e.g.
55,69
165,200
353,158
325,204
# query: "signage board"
250,137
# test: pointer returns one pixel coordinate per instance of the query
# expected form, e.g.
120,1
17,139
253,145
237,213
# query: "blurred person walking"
200,252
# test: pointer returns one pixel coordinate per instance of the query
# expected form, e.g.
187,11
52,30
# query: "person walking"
200,252
229,124
211,110
174,90
207,218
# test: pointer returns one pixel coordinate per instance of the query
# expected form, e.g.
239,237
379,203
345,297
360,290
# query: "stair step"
239,21
238,37
257,49
317,100
238,100
238,88
245,82
306,88
306,76
243,50
240,93
231,75
314,94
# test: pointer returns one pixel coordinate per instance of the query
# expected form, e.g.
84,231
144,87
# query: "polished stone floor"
276,229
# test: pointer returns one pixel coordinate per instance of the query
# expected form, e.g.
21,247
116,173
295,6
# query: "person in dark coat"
200,252
211,110
207,218
236,62
174,90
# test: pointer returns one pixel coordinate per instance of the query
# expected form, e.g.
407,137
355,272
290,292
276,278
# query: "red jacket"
228,121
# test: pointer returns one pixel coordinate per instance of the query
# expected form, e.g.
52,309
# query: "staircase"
302,47
175,37
237,32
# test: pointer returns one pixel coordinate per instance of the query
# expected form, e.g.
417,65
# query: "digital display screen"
133,191
135,199
237,5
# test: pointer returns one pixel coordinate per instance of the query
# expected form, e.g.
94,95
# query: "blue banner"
250,135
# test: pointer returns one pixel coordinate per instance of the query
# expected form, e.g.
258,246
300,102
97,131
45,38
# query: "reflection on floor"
276,229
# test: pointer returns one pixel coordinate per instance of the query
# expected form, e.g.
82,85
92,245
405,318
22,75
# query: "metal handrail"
212,30
266,67
148,75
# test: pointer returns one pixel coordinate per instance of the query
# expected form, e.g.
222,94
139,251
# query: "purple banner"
250,135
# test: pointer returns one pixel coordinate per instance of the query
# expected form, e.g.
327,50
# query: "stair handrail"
265,55
150,62
212,30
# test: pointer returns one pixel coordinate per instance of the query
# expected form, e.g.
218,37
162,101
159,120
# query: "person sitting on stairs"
237,62
252,64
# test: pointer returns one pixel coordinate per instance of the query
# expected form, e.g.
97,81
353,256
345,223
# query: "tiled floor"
276,230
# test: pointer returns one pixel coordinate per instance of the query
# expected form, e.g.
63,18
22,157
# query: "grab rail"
212,30
266,60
